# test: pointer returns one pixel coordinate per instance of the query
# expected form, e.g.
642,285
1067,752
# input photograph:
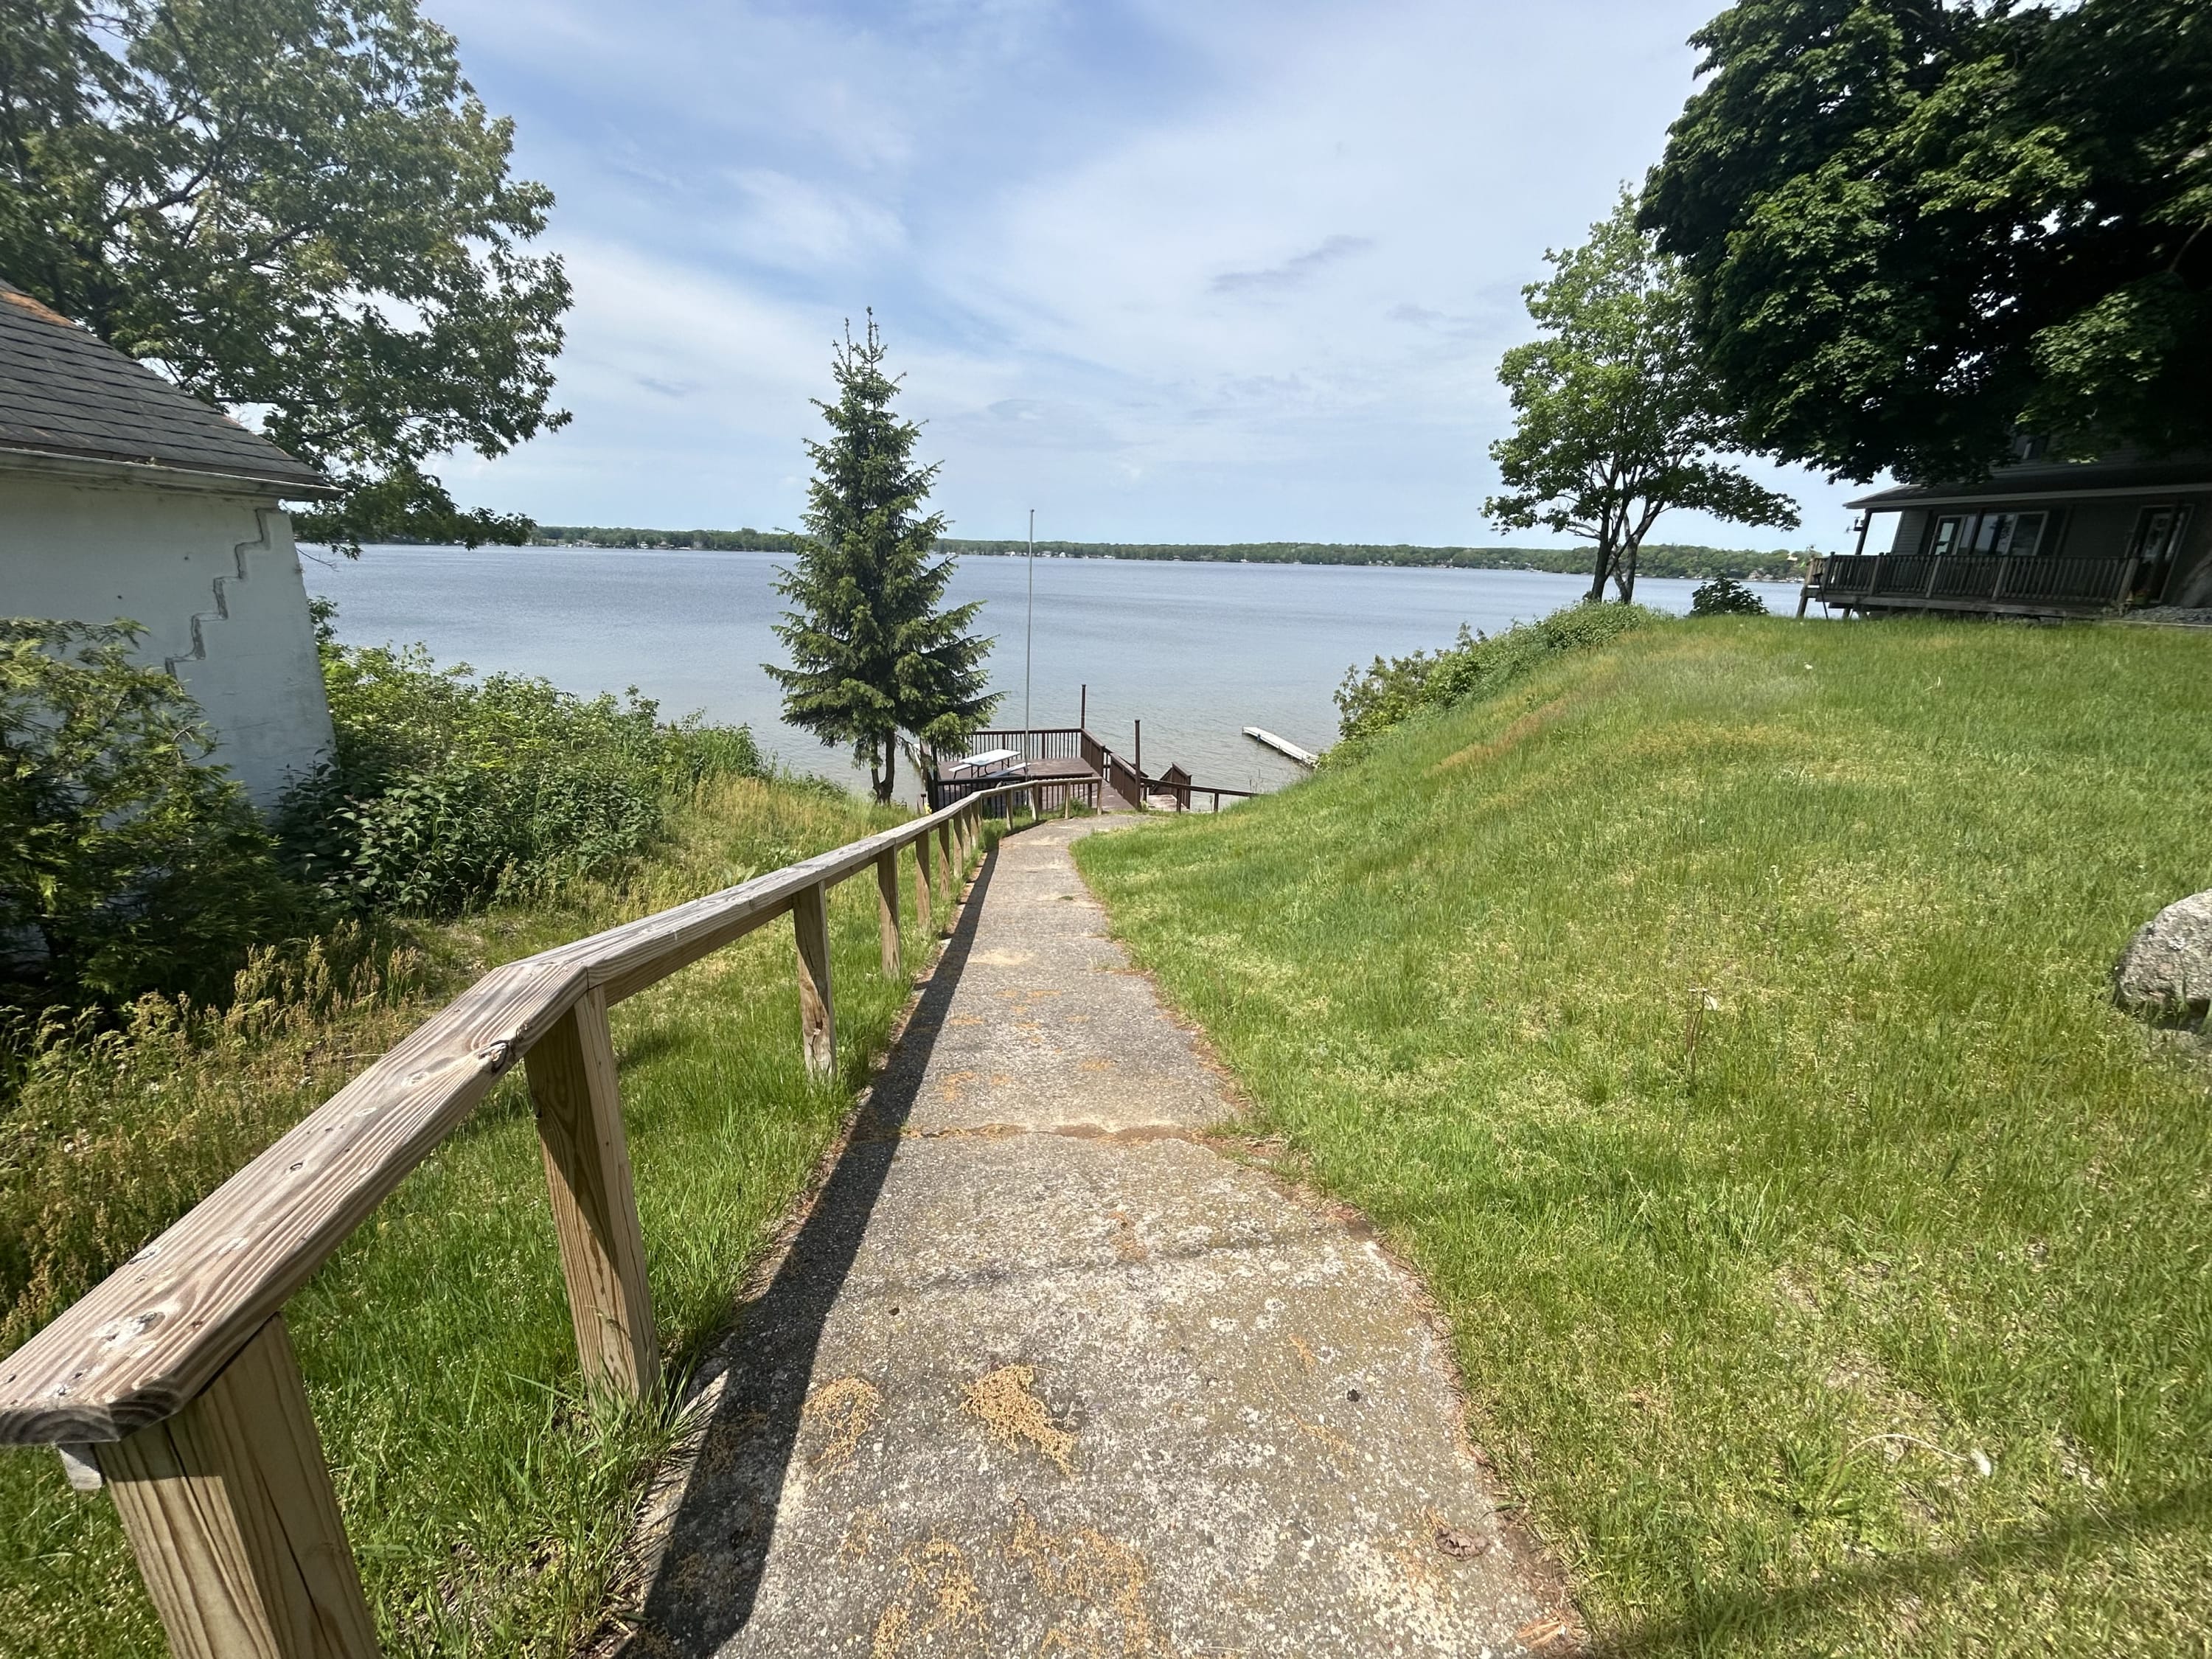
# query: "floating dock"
1283,745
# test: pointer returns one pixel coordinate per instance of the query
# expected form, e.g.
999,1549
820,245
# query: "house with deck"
2036,538
122,497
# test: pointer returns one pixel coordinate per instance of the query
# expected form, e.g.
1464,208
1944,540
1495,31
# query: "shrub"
1724,595
128,862
447,791
1396,688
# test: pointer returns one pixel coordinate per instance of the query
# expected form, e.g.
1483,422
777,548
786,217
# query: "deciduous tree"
298,210
1615,420
874,659
1915,228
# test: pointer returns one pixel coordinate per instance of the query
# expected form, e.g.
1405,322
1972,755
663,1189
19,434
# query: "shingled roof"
66,393
2053,480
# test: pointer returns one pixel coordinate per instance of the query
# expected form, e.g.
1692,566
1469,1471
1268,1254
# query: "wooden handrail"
173,1379
152,1335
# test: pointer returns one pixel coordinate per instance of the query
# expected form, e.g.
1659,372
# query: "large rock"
2165,972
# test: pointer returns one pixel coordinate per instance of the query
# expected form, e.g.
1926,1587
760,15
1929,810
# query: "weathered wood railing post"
229,1508
887,898
925,903
579,1129
218,1473
818,1019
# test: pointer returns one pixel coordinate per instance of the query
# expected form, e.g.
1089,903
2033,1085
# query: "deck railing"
1043,742
1048,796
174,1383
1975,581
1182,793
1119,775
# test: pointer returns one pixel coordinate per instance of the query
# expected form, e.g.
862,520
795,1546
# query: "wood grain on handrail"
148,1339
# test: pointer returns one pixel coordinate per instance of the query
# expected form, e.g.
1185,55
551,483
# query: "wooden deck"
1067,762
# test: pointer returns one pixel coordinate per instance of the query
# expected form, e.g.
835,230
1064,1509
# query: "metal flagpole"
1029,637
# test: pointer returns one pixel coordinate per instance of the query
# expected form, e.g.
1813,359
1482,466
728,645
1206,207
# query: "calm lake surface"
1197,652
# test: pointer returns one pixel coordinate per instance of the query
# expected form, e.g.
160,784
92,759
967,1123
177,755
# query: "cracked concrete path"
1044,1373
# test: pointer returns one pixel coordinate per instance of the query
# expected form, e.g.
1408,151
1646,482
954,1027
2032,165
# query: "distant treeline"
1668,559
718,541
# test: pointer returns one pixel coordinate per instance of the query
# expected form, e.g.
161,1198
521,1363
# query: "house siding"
214,579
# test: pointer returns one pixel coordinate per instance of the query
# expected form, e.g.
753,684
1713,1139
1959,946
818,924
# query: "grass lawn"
1719,1020
487,1499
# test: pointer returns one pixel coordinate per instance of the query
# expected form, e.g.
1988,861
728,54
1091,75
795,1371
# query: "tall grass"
487,1496
1719,1018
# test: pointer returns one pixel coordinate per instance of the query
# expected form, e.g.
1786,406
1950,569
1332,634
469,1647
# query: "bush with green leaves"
1724,595
129,861
448,790
1396,688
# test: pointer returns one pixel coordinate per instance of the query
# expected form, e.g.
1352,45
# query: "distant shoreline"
1658,559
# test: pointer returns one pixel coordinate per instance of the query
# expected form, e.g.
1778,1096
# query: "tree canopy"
1916,228
1615,422
298,210
873,658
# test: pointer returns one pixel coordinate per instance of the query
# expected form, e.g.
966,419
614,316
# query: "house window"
2018,534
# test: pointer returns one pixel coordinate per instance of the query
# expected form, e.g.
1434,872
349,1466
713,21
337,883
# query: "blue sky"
1165,272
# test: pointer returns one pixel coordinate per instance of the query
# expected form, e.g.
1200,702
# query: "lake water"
1196,652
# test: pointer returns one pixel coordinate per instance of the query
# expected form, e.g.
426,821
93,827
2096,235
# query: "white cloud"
791,222
1240,270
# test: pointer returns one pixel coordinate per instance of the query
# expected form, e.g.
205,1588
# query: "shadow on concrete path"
709,1573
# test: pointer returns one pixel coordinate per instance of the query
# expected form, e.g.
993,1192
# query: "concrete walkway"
1044,1373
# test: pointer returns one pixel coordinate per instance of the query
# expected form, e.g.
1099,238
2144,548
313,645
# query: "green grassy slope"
487,1498
1719,1021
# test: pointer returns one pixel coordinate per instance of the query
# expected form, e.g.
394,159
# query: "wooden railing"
1180,792
1123,779
1119,775
1974,580
174,1383
1041,743
1047,795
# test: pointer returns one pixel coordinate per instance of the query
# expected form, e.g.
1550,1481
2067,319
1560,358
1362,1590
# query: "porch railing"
1973,580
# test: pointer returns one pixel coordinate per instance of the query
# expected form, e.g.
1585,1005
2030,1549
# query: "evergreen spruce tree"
875,662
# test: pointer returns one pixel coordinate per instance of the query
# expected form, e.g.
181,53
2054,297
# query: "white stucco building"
122,497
